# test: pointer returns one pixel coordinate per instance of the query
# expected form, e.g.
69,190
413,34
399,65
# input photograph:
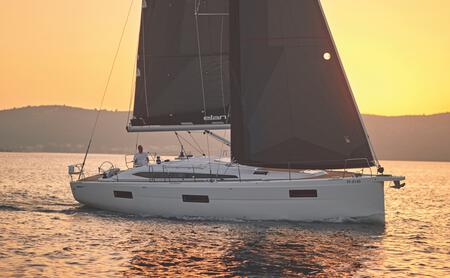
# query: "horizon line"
126,111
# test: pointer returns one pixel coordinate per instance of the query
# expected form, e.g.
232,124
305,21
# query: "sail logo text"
215,118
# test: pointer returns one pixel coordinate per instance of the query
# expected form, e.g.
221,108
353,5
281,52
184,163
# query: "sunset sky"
396,52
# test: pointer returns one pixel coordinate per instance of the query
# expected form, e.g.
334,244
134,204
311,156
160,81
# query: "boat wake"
75,208
370,220
10,208
47,208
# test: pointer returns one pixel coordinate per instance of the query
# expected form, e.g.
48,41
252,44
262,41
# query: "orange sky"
396,52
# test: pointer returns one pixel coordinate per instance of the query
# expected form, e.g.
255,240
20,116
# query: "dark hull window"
308,193
123,194
195,198
260,172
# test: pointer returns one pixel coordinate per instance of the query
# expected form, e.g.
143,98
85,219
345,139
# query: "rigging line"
106,88
221,66
197,4
196,143
133,82
179,141
137,141
209,155
134,77
197,7
145,60
189,143
221,149
228,114
201,74
223,143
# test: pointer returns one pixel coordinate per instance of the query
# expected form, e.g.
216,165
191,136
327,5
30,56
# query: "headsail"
291,103
182,78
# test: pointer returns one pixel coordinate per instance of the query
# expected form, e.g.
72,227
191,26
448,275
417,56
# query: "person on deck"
140,158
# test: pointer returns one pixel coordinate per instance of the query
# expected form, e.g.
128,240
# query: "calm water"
44,232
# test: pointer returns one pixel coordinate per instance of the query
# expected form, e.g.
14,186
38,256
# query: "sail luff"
237,148
141,46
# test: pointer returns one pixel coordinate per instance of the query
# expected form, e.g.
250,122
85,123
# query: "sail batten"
291,102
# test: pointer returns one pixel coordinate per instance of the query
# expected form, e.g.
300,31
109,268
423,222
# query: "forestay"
291,103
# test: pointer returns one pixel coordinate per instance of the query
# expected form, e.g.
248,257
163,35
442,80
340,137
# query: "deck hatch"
304,193
195,198
123,194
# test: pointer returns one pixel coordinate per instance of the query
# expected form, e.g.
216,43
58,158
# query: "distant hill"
424,138
67,129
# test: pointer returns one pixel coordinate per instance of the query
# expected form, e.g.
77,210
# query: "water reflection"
44,232
256,249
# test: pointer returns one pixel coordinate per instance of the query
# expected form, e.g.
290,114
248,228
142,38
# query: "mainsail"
182,79
291,102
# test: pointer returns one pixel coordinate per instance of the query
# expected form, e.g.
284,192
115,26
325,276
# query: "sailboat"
269,71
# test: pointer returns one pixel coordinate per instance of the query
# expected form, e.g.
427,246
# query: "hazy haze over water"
44,231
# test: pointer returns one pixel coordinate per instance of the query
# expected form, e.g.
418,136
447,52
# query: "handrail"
289,167
193,173
239,172
164,176
79,171
128,162
357,159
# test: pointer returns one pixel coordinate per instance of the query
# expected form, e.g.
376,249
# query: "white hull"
337,199
200,187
